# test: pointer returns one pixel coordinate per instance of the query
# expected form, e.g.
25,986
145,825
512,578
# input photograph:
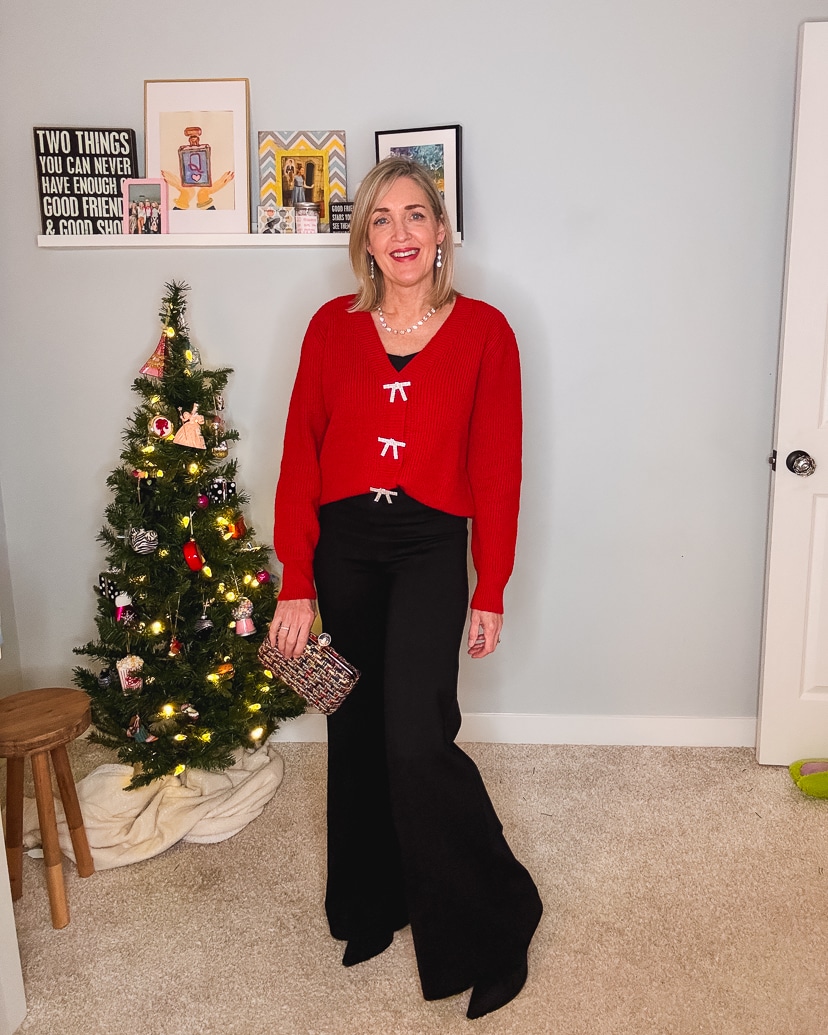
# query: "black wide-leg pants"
412,834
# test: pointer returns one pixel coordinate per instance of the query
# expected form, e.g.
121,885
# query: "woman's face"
403,235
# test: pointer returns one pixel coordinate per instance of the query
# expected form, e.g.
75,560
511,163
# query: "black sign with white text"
341,216
80,175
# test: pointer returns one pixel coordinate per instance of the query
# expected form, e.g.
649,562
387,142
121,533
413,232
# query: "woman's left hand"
484,632
291,626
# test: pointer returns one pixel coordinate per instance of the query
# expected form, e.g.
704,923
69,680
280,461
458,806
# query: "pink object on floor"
813,767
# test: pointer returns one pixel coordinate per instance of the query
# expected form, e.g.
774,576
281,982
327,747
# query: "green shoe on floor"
811,776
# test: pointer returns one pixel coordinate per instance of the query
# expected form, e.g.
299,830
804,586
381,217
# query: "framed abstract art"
438,148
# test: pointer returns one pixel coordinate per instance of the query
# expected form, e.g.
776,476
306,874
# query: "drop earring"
439,262
372,267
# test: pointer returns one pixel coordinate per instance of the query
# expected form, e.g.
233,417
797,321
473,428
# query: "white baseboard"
639,730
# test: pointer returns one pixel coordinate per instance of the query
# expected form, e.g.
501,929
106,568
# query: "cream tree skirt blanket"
127,826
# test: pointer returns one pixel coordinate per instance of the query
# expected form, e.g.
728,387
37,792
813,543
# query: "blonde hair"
371,291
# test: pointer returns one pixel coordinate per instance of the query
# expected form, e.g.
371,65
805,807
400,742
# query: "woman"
404,423
299,185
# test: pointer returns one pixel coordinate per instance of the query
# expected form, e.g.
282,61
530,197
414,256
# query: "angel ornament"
189,434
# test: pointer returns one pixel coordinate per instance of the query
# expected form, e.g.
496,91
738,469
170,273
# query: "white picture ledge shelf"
198,241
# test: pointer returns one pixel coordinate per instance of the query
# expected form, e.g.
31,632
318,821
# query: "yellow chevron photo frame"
297,166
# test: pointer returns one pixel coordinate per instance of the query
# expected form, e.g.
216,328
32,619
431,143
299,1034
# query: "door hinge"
772,460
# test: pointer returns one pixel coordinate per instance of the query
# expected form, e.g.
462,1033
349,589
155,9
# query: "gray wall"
625,192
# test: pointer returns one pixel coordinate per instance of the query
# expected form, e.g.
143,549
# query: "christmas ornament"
124,611
108,585
188,710
237,527
160,426
225,670
263,577
203,501
154,366
143,540
129,672
192,551
189,434
145,483
105,678
215,422
203,627
220,489
138,732
242,613
176,646
193,556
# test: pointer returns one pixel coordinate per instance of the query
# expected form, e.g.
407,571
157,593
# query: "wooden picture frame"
439,149
196,135
137,195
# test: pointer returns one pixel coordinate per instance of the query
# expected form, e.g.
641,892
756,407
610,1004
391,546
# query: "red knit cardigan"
447,430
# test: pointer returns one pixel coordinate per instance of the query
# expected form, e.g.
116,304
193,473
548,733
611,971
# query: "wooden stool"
38,723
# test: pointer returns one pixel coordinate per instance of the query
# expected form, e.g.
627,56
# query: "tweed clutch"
319,675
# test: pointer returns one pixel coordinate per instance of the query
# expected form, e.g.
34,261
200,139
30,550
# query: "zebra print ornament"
143,540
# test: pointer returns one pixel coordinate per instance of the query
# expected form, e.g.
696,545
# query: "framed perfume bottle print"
196,135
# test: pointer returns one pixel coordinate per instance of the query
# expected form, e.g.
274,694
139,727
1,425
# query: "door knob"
799,462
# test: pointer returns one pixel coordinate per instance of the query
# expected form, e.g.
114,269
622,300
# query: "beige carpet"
686,893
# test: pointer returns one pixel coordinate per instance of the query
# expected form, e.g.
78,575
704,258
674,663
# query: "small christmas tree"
188,596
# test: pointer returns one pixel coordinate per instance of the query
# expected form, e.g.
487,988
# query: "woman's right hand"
291,626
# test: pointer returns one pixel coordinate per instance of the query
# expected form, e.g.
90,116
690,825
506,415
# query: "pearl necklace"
408,330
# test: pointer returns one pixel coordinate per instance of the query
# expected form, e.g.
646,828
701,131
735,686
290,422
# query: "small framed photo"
197,133
439,149
273,220
145,207
298,167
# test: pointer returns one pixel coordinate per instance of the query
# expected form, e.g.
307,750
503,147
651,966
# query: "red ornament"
263,577
193,555
237,527
175,647
203,501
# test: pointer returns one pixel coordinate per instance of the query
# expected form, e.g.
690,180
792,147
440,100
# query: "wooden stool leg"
14,824
71,806
48,833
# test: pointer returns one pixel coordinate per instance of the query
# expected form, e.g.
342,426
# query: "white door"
793,713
